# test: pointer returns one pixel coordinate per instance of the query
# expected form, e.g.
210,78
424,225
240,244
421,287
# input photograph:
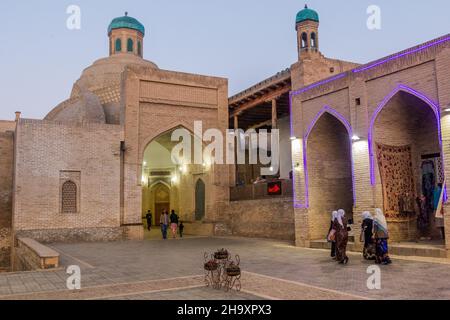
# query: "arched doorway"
200,199
406,163
170,178
329,172
160,196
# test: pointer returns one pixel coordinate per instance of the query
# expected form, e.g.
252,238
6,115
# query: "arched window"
139,49
130,45
313,40
118,45
304,40
69,197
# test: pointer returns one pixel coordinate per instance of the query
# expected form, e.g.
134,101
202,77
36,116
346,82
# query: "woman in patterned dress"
381,235
340,225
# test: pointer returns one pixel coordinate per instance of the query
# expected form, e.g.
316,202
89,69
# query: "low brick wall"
198,228
272,219
31,255
73,235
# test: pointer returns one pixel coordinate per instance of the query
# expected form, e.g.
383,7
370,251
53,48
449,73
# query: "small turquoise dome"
307,14
126,22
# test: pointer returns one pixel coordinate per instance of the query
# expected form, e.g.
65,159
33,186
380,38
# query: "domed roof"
126,22
108,71
103,79
307,14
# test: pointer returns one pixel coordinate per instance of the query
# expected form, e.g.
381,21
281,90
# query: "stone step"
419,251
399,249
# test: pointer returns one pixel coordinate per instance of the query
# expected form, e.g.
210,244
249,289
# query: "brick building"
340,122
100,160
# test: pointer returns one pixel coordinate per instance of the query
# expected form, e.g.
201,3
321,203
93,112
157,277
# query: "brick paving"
173,270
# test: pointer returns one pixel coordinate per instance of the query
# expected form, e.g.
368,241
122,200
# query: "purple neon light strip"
400,55
347,125
318,84
297,204
373,65
380,107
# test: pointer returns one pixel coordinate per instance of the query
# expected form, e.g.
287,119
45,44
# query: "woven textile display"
395,165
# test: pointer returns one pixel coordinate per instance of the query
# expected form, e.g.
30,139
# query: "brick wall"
6,186
273,219
44,150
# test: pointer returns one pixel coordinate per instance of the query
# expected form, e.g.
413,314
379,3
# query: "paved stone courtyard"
173,270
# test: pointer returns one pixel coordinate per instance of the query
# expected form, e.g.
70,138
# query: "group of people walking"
374,235
173,222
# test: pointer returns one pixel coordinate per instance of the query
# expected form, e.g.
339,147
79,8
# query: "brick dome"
103,80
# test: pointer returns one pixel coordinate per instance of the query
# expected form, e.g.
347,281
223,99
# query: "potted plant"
211,265
221,254
233,270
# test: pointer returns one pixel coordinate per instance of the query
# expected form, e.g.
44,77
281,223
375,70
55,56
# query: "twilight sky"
245,41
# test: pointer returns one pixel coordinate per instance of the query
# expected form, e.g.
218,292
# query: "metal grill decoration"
69,197
221,272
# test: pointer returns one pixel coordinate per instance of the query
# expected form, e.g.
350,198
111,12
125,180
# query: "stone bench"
32,255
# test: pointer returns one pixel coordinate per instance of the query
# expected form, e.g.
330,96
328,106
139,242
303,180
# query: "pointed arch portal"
329,182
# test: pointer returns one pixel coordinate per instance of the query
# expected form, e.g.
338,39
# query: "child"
181,228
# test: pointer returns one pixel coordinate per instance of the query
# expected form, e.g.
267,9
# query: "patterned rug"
396,172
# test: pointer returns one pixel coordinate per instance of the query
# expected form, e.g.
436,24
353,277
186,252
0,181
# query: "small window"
69,197
130,45
139,49
313,40
118,45
304,40
332,70
358,101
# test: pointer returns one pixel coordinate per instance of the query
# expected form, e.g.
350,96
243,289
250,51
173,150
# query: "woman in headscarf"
381,234
340,225
367,236
332,235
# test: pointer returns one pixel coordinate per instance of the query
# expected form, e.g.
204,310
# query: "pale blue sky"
245,41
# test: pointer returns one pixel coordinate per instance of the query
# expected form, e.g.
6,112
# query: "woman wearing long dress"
332,235
381,234
367,236
340,225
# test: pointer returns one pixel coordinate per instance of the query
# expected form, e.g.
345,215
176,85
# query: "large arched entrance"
329,172
406,164
169,180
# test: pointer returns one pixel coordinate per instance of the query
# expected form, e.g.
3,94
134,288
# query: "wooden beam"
274,114
263,99
262,124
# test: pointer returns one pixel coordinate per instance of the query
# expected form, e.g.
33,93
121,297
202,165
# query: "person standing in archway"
164,221
149,219
174,223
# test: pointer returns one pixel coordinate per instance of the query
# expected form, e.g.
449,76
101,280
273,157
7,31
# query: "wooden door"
159,207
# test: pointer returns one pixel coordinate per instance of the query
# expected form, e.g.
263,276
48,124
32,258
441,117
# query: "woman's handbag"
332,236
362,235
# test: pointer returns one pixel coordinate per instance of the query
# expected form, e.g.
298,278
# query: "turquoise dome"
126,22
307,14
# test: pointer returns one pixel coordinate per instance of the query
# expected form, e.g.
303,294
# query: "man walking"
149,219
164,221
